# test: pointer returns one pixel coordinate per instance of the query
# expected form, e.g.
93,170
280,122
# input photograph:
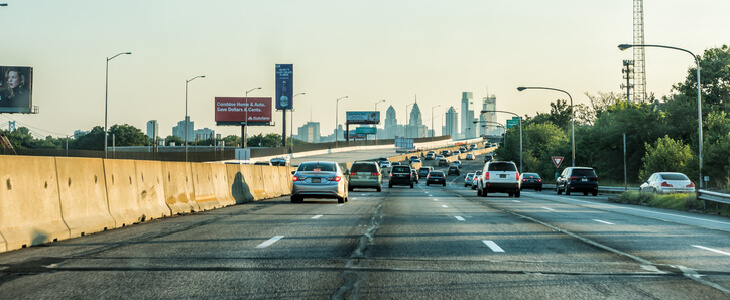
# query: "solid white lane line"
493,246
444,206
604,222
317,216
546,208
460,218
713,250
270,242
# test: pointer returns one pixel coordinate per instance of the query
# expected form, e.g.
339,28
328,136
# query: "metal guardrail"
713,196
610,189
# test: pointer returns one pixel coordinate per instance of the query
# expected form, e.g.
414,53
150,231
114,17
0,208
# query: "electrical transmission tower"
639,72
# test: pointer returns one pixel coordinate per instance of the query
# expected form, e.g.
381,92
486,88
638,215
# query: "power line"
38,129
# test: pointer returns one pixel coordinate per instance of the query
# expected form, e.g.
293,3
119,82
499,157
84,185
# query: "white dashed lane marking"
713,250
493,246
546,208
270,242
459,218
317,217
445,206
604,222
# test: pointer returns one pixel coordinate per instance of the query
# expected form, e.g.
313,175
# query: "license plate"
316,180
502,175
584,180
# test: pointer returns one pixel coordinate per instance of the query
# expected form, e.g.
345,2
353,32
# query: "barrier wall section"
221,185
121,191
150,189
203,187
178,185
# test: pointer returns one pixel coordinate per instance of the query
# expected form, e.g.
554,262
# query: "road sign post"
557,160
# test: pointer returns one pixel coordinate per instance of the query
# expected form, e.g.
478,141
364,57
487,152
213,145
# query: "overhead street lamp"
623,47
291,125
337,121
519,120
572,114
376,126
186,113
433,128
245,131
106,103
3,4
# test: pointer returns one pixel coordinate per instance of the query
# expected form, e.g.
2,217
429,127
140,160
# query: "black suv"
577,179
454,170
400,175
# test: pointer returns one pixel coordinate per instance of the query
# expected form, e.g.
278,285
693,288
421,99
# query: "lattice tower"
639,72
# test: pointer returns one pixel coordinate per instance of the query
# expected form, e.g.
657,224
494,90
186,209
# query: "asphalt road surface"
427,242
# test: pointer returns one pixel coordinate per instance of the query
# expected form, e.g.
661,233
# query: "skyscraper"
489,103
452,122
391,123
179,130
466,117
415,123
153,130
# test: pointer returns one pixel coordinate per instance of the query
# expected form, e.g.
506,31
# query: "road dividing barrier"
30,212
253,176
150,190
178,185
240,189
121,191
82,192
268,181
274,173
203,187
221,184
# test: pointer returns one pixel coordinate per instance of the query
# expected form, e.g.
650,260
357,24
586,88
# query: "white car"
668,182
501,177
470,157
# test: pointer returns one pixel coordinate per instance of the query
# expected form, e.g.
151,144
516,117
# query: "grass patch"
677,201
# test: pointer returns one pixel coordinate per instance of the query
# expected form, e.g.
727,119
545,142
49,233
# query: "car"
436,177
462,149
446,153
395,163
488,158
530,181
414,157
416,161
443,162
381,160
473,147
500,177
457,152
430,156
414,175
365,174
385,164
577,179
668,182
470,156
454,170
468,178
431,152
319,179
400,175
280,161
262,163
423,171
439,157
456,163
475,180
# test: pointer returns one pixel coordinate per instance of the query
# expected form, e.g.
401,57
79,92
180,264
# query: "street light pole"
106,102
291,125
432,128
245,130
519,119
623,47
572,114
376,125
337,120
186,113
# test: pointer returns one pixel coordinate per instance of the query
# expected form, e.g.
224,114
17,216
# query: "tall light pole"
623,47
519,119
106,103
433,128
572,114
244,133
186,113
376,125
291,125
337,120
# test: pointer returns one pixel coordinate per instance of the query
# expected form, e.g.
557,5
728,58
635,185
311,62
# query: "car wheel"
411,184
428,184
444,183
479,192
473,187
559,190
390,185
349,189
595,193
341,199
510,194
517,194
465,185
567,191
294,199
585,193
380,189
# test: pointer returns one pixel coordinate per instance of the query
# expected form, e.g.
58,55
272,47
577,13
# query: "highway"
427,242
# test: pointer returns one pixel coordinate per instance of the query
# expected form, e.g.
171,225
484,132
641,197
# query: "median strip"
270,242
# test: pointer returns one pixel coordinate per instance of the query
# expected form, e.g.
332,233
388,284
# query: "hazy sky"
367,50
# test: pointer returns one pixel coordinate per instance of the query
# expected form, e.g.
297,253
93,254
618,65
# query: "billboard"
363,117
284,86
365,130
16,89
233,111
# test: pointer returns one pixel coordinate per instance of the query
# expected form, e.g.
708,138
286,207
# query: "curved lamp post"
186,113
245,131
519,120
106,102
623,47
572,114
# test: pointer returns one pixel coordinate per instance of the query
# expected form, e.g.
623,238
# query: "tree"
715,76
270,140
94,140
667,155
126,135
174,139
232,141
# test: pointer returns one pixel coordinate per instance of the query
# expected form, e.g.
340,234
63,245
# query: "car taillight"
518,176
539,180
691,184
573,178
298,178
524,179
486,176
353,173
375,174
336,178
391,174
665,184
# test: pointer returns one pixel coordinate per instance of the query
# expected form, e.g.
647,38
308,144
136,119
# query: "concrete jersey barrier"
150,190
240,189
121,191
178,186
203,187
223,190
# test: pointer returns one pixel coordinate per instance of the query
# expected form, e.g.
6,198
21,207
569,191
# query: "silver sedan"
319,179
668,182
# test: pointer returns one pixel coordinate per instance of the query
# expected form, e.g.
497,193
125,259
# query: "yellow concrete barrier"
275,180
203,187
221,185
30,211
254,178
178,186
268,180
240,189
150,190
82,191
121,191
285,180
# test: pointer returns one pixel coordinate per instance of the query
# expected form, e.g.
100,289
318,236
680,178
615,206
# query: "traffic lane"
422,250
343,157
235,254
678,247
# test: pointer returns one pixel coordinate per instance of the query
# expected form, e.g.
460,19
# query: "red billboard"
233,110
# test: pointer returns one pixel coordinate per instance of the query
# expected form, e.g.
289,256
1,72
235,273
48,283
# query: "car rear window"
401,169
674,177
423,169
318,167
453,168
530,175
363,167
437,173
584,172
502,167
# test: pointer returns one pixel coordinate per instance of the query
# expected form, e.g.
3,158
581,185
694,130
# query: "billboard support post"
243,134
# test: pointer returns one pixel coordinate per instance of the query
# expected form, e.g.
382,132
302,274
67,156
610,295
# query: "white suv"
499,176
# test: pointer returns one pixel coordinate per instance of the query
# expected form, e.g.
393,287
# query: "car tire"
349,189
444,183
428,184
411,184
465,185
517,194
379,189
585,193
479,192
567,191
473,187
559,190
390,186
510,194
595,193
340,199
294,199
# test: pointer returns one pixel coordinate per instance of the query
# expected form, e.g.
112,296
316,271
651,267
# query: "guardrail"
609,189
713,196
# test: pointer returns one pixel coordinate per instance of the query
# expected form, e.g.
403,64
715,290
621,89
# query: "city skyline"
366,51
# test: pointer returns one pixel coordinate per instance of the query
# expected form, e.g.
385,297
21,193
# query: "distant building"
415,127
79,133
452,123
309,132
204,134
391,123
153,130
179,130
489,119
466,115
